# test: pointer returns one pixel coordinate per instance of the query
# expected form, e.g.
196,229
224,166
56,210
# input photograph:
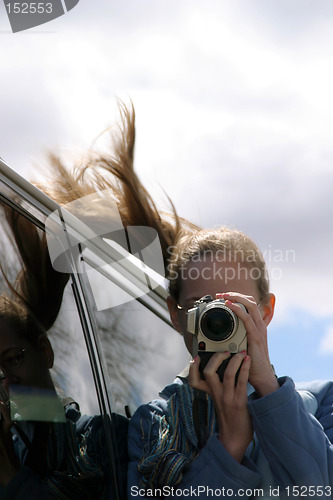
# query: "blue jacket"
291,454
87,432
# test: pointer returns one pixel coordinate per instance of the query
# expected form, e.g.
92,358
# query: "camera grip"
205,357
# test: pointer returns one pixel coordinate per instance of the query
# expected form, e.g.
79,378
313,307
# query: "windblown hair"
180,239
115,171
36,295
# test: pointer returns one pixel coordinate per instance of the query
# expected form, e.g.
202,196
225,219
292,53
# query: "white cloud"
326,343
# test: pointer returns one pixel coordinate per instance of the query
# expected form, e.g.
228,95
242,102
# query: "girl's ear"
45,346
174,313
268,309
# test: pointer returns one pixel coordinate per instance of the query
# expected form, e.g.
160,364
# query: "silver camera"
216,329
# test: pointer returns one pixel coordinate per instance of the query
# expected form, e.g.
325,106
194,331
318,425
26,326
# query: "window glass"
141,352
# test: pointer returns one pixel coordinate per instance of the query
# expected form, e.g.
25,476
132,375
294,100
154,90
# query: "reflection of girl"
206,437
38,458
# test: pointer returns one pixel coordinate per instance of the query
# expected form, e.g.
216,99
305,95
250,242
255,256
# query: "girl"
252,434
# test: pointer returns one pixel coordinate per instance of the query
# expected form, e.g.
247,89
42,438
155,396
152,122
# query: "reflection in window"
67,454
135,343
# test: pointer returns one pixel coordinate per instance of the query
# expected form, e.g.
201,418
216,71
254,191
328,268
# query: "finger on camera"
194,373
238,297
233,300
214,363
244,372
233,367
194,379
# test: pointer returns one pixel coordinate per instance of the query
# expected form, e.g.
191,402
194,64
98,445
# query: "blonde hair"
223,244
115,171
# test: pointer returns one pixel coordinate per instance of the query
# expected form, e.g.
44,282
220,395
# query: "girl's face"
24,363
209,278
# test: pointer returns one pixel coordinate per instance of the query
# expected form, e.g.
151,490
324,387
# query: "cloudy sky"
234,122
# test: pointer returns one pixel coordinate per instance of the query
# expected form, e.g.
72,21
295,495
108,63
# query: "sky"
234,112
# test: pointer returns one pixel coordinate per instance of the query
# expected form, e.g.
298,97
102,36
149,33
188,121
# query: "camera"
216,329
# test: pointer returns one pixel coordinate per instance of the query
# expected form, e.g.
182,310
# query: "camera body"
216,329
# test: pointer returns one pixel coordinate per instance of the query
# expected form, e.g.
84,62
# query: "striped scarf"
63,462
178,439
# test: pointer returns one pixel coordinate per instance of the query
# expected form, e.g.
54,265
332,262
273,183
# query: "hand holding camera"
230,399
216,328
255,315
219,349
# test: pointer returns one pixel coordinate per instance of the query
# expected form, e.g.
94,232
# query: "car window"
113,329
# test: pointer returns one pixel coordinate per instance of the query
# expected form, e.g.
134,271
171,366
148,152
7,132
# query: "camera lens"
217,324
